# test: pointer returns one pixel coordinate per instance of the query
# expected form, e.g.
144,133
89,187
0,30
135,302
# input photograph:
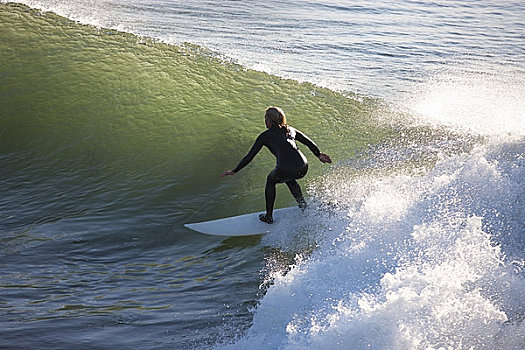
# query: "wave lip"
480,104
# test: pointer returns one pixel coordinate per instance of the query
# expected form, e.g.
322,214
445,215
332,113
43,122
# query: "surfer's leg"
297,193
269,194
296,189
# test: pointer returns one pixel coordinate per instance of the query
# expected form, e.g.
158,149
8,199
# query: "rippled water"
380,48
111,141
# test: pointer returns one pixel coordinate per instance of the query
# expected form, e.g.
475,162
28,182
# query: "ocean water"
117,118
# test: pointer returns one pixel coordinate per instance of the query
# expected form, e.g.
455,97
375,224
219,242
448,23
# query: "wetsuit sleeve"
299,136
257,145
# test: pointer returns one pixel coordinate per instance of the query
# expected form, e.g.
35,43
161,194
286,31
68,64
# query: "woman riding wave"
291,165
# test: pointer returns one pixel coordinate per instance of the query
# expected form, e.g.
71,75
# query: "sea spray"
103,160
483,104
407,262
423,247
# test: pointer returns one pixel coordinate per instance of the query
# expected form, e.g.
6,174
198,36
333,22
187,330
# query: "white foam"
476,103
408,262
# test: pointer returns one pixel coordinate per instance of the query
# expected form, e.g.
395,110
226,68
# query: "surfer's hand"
226,173
325,158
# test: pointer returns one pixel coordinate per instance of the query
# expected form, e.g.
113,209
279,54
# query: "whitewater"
415,238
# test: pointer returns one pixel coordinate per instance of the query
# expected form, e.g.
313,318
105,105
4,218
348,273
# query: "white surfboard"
244,225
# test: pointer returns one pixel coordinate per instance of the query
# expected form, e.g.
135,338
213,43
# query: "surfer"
292,165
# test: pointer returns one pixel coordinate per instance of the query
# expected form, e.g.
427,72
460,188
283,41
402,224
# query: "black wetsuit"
291,162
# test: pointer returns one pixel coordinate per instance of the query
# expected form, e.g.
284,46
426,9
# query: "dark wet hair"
276,117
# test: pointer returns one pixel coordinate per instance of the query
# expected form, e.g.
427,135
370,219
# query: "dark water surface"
110,142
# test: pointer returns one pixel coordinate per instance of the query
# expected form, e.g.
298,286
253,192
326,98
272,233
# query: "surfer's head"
274,117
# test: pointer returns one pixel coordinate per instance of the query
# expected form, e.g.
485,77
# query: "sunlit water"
111,142
379,48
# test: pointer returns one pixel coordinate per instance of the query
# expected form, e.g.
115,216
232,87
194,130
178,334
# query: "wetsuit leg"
269,191
296,193
296,189
276,177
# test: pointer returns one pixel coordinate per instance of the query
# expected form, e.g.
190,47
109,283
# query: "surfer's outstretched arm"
247,158
299,136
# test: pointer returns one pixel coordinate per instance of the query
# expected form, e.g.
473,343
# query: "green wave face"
131,107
